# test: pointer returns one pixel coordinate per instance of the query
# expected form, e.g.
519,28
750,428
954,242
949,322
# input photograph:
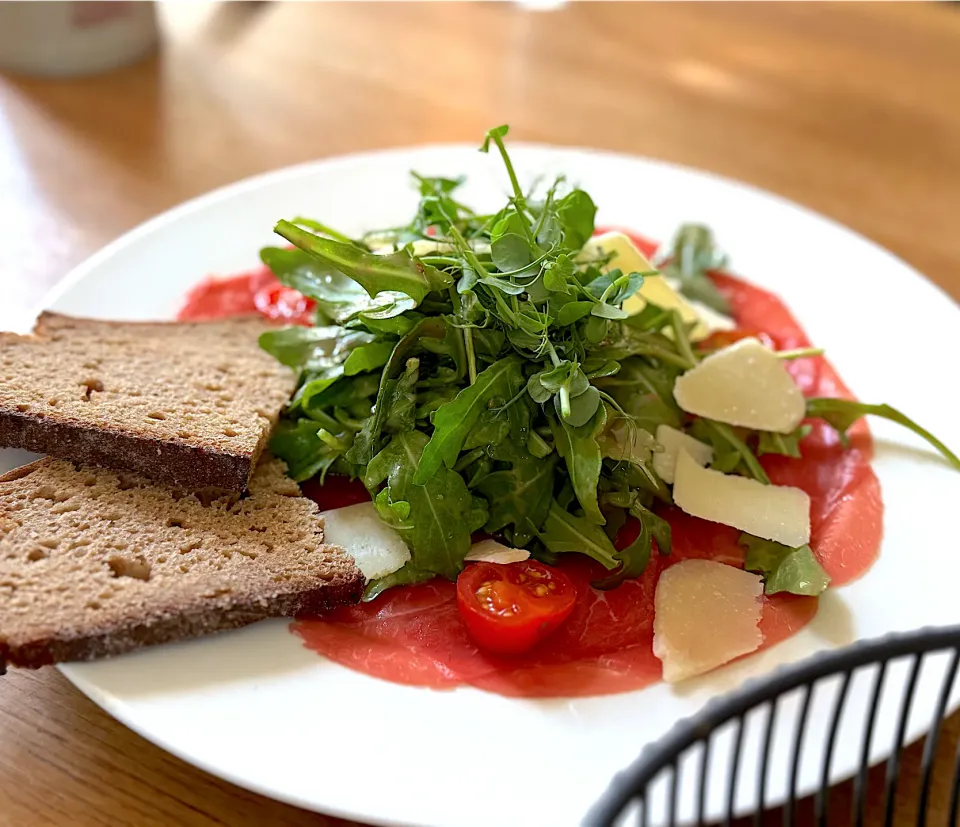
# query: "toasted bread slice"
95,562
186,403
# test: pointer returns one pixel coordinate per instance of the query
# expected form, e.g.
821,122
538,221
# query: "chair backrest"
794,733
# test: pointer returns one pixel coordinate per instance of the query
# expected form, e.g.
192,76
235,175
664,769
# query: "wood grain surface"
849,109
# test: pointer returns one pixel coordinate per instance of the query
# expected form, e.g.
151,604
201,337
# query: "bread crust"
227,604
171,456
167,462
175,625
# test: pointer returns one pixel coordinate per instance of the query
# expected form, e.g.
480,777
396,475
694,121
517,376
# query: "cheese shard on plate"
672,440
705,615
377,549
655,289
490,551
745,384
773,512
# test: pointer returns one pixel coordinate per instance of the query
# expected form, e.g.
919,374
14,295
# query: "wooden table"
849,109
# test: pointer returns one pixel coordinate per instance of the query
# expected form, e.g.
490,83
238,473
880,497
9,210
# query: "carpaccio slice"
413,635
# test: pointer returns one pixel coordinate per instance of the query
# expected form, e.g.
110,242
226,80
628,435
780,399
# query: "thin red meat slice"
413,635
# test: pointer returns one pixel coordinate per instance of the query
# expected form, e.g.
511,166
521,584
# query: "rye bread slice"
186,403
96,562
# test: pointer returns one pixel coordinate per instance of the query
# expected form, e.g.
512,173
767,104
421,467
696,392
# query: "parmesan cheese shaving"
706,614
672,441
376,548
744,384
773,512
655,289
490,551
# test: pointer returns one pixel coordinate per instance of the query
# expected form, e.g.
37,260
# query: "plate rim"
250,182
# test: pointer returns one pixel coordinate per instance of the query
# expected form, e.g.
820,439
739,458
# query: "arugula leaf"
454,421
299,445
519,496
406,576
580,451
576,213
558,273
582,407
730,452
291,346
496,381
573,312
842,413
365,443
316,383
368,357
337,296
392,326
443,514
301,271
497,134
635,557
785,569
400,401
692,254
645,393
398,272
562,531
787,445
510,246
320,394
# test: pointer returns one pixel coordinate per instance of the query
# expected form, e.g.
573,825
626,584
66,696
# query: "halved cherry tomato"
278,302
724,338
510,608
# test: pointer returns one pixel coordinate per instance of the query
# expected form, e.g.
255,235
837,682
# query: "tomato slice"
510,608
278,302
724,338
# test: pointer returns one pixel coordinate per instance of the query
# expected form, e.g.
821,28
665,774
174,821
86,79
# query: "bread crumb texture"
95,561
203,386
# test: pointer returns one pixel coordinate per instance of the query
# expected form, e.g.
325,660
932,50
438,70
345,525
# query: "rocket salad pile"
499,372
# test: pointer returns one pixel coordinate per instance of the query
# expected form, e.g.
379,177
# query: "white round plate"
256,708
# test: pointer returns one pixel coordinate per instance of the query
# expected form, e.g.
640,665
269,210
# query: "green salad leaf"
688,259
784,569
399,272
454,421
842,413
478,370
441,514
563,531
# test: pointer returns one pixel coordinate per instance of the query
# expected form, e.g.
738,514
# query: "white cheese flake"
745,384
773,512
655,290
672,441
706,614
376,548
427,247
490,551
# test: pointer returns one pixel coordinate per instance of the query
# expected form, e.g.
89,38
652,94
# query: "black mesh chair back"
756,753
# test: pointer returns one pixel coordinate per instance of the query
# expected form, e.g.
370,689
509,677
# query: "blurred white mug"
75,38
